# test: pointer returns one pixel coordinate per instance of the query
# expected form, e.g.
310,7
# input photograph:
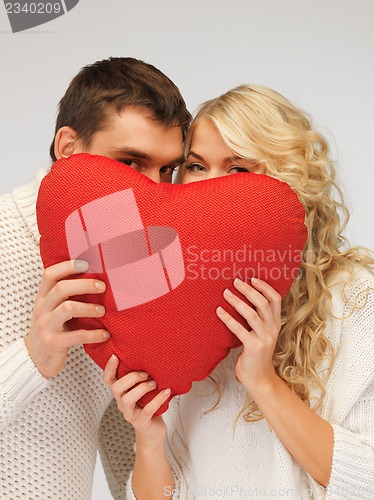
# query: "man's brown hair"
113,84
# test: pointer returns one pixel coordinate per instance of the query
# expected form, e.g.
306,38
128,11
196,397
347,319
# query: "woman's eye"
236,170
195,167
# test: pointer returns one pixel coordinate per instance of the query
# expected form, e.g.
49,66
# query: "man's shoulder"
19,206
8,209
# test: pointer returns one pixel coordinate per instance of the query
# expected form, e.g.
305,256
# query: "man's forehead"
112,114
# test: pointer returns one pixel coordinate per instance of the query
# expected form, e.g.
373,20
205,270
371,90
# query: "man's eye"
167,169
236,170
131,163
195,167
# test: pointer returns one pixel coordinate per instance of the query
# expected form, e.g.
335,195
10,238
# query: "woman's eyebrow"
233,158
191,153
225,160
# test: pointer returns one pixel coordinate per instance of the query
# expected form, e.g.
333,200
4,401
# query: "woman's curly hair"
258,123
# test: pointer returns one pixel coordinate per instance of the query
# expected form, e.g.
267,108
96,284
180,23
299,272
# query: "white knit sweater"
49,429
212,461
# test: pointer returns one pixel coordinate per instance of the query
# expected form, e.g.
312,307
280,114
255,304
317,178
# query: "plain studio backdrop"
318,54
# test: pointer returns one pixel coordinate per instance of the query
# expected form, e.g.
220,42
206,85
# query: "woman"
289,414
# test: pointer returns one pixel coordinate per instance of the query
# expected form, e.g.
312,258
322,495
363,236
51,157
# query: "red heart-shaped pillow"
166,253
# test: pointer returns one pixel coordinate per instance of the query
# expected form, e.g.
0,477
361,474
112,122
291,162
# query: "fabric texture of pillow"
166,253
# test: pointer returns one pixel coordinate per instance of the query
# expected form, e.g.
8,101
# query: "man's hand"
49,339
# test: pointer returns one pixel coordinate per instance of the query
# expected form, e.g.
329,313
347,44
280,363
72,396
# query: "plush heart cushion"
166,253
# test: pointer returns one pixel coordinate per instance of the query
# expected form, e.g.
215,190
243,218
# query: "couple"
287,416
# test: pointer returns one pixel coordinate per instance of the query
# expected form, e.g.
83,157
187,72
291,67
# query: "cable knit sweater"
49,429
210,460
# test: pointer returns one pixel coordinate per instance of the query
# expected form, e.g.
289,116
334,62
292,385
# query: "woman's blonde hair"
258,123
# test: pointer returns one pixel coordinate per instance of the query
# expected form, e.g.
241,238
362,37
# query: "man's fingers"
69,288
59,271
73,309
77,337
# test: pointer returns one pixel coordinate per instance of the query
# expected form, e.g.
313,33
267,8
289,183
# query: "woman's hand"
254,368
150,432
306,435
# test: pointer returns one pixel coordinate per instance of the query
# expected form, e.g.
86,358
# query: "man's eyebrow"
132,152
143,156
178,160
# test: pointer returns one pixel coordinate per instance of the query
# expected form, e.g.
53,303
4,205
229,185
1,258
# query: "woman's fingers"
110,371
266,300
248,313
234,326
273,297
150,409
129,389
130,398
255,298
121,386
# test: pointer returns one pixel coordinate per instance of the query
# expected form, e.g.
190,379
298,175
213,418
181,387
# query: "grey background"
318,54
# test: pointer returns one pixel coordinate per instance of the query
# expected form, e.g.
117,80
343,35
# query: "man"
55,410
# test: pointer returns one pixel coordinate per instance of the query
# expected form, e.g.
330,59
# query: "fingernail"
113,358
80,265
152,383
166,392
227,293
106,335
255,280
100,285
220,310
143,375
238,282
100,309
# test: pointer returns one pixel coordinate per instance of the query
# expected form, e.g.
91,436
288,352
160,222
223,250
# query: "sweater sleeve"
20,273
20,381
116,447
353,461
352,474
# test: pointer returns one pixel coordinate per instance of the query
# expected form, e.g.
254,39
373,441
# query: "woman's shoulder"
351,321
350,328
353,286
